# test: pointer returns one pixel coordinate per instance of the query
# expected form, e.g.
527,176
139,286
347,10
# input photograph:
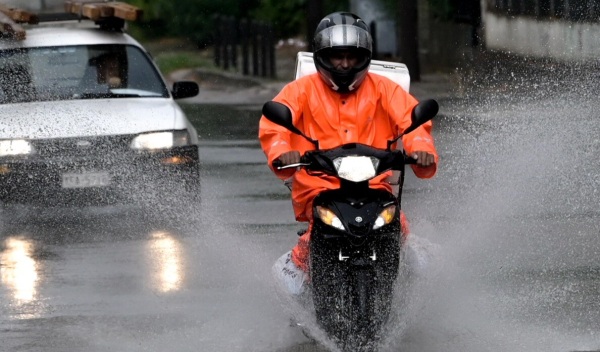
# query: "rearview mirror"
185,89
281,115
423,112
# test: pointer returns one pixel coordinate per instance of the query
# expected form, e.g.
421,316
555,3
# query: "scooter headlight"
386,216
329,218
356,168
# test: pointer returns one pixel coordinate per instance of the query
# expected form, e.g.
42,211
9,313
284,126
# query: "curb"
219,87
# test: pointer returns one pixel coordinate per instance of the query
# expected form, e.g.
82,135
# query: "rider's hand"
288,158
424,159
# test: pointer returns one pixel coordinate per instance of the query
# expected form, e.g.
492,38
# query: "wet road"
514,209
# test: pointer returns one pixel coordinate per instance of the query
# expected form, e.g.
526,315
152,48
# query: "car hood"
78,118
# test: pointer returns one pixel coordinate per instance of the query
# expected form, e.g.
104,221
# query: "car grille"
83,146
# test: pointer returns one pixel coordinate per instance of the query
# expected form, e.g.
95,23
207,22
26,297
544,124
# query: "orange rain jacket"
378,111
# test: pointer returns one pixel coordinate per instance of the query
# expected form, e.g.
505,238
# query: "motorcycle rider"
342,103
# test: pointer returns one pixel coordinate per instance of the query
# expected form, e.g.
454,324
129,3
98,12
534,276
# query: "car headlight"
356,168
386,216
329,218
15,147
160,140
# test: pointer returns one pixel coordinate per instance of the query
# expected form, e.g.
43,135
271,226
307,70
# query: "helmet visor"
341,36
355,59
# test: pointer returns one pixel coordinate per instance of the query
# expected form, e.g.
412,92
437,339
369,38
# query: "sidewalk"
235,89
225,88
232,88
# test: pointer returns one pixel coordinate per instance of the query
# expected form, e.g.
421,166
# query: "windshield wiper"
105,95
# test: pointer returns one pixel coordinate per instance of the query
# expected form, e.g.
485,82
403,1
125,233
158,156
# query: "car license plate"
84,180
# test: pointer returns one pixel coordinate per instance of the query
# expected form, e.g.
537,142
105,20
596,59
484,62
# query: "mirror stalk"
315,143
421,113
389,143
281,115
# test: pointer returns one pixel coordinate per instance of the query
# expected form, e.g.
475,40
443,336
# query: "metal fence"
572,10
251,41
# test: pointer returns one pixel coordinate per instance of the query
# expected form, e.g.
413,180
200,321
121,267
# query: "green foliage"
336,5
390,6
439,9
288,17
190,19
171,61
193,19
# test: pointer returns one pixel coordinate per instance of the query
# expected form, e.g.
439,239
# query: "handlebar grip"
277,164
408,160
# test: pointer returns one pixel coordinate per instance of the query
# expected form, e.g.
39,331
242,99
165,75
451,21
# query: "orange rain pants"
378,111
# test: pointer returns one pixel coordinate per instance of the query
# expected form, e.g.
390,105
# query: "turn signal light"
386,216
178,160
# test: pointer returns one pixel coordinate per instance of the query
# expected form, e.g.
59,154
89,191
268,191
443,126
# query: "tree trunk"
314,14
408,44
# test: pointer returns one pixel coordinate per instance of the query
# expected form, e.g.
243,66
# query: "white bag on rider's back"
289,276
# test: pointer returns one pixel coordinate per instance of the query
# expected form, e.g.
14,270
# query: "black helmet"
342,32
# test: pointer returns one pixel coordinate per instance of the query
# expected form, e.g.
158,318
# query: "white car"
86,117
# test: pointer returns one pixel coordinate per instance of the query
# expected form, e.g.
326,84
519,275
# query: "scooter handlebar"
277,164
409,160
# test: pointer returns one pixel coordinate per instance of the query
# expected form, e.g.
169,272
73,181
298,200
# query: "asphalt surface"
513,211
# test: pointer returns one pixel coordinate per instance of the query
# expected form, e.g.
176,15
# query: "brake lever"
290,166
409,160
277,164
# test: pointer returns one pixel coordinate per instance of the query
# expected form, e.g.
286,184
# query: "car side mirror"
185,89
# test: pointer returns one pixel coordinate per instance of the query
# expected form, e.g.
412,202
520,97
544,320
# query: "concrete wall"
558,39
553,34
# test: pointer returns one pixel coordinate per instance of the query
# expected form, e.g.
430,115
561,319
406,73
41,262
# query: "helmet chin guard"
342,32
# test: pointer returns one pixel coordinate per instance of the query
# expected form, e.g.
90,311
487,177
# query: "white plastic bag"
290,277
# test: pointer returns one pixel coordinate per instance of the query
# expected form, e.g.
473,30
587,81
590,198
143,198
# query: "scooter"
356,236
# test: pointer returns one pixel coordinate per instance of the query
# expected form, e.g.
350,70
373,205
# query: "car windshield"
77,72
